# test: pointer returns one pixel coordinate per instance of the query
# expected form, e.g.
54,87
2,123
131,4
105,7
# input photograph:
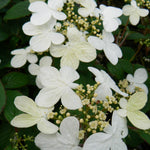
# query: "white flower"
76,49
110,15
106,84
43,35
131,109
134,12
58,84
34,69
89,8
67,139
112,138
22,56
43,12
140,76
33,115
112,51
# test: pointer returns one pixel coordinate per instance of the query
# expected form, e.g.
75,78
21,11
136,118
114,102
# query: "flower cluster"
90,118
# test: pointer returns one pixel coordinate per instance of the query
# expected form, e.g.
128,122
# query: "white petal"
18,61
122,112
85,52
33,69
32,58
118,144
97,73
69,129
143,12
140,75
38,83
46,127
70,60
137,101
108,37
58,50
30,29
139,119
40,43
123,103
84,12
134,19
130,78
18,51
103,91
98,141
127,10
59,15
48,141
70,99
26,105
69,74
37,6
45,61
48,97
24,121
142,86
56,38
96,42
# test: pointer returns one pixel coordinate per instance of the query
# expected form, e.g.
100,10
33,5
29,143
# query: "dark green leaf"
135,36
6,132
10,110
15,80
17,11
127,52
3,3
3,33
2,97
145,135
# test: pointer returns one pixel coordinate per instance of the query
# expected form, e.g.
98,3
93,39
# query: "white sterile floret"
33,115
88,9
43,35
75,50
34,69
106,84
140,76
22,56
58,85
111,50
110,15
131,109
134,12
111,138
43,12
67,139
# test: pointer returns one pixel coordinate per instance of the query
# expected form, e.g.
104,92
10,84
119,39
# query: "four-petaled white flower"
134,12
112,138
43,35
22,56
34,69
131,109
110,15
58,84
33,115
42,12
76,49
140,76
112,51
89,8
67,139
106,84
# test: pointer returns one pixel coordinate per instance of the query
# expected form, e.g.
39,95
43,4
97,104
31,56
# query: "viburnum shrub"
81,77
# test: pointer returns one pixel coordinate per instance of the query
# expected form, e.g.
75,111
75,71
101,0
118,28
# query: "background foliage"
14,82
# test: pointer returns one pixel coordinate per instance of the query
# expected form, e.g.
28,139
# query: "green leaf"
17,11
14,80
10,110
2,97
6,132
3,33
4,3
135,36
127,52
145,135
